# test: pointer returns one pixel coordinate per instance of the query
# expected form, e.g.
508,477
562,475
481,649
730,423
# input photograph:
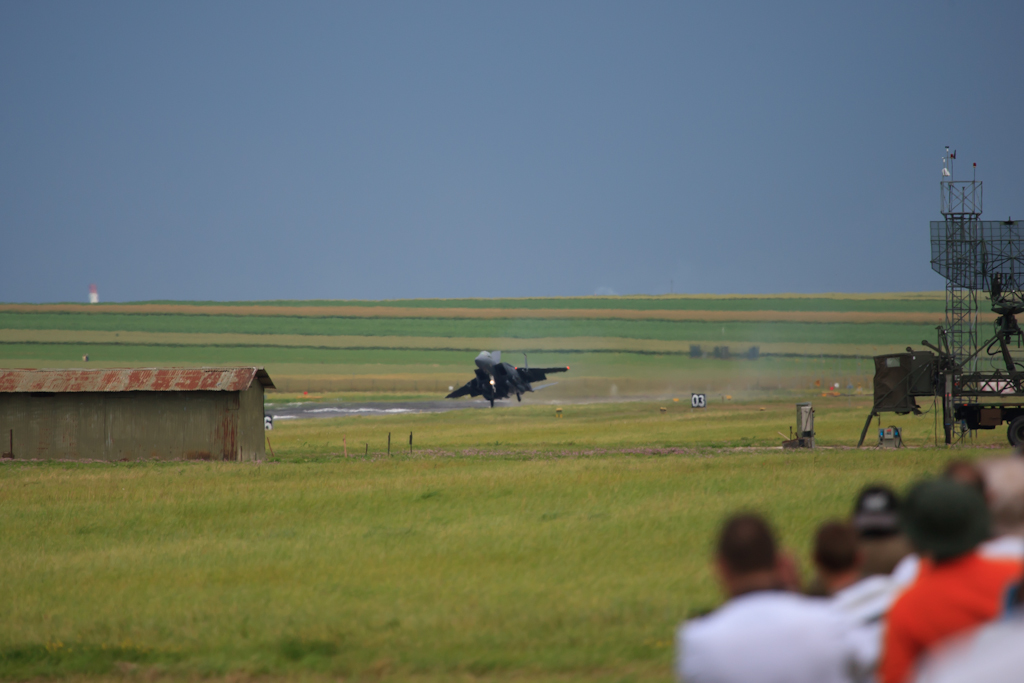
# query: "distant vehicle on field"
496,380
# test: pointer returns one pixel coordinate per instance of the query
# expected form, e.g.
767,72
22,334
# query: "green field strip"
242,355
511,345
15,350
421,359
697,331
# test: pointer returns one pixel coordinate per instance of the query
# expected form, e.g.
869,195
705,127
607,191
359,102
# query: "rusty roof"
131,379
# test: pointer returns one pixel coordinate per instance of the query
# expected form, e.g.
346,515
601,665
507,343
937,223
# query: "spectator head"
945,518
966,473
747,558
1004,488
877,512
837,556
746,544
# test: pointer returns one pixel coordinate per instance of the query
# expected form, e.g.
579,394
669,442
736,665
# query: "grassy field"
528,430
505,545
885,333
509,545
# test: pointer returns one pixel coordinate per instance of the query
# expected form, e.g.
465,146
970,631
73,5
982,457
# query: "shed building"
133,414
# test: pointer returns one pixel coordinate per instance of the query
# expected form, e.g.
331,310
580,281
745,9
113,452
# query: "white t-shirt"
864,605
766,637
993,654
1006,547
905,571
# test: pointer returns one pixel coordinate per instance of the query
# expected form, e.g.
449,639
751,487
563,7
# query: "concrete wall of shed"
195,425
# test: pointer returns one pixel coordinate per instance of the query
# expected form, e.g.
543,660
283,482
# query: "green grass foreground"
580,566
568,551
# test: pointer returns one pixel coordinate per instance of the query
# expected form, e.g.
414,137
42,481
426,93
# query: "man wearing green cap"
956,588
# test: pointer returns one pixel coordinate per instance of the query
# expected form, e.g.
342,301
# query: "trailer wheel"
1015,432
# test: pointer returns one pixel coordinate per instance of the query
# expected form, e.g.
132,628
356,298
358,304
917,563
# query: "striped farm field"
765,315
614,344
905,301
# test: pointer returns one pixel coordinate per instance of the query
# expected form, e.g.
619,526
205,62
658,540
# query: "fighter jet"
495,379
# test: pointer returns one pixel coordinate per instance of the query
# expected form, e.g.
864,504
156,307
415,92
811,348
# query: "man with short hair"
957,588
1004,493
862,600
765,632
836,556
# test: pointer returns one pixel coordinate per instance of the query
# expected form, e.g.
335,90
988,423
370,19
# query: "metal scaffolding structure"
958,254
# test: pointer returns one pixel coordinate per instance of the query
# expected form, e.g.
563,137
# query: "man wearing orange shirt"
956,589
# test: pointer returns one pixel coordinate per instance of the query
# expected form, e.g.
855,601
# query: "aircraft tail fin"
526,362
496,355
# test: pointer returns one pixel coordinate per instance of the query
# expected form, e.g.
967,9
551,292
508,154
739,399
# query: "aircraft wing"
470,388
538,374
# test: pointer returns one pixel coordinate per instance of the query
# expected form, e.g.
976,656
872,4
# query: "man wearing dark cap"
876,517
956,588
765,632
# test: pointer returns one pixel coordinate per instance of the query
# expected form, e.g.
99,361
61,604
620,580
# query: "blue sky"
248,150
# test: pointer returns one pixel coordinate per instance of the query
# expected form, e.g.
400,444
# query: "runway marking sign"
698,400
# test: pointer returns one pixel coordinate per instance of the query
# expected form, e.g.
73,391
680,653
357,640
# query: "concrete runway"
312,410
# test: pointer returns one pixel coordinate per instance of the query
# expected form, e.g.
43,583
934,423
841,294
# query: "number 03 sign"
698,401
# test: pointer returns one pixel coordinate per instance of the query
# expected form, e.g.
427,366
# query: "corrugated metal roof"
132,379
